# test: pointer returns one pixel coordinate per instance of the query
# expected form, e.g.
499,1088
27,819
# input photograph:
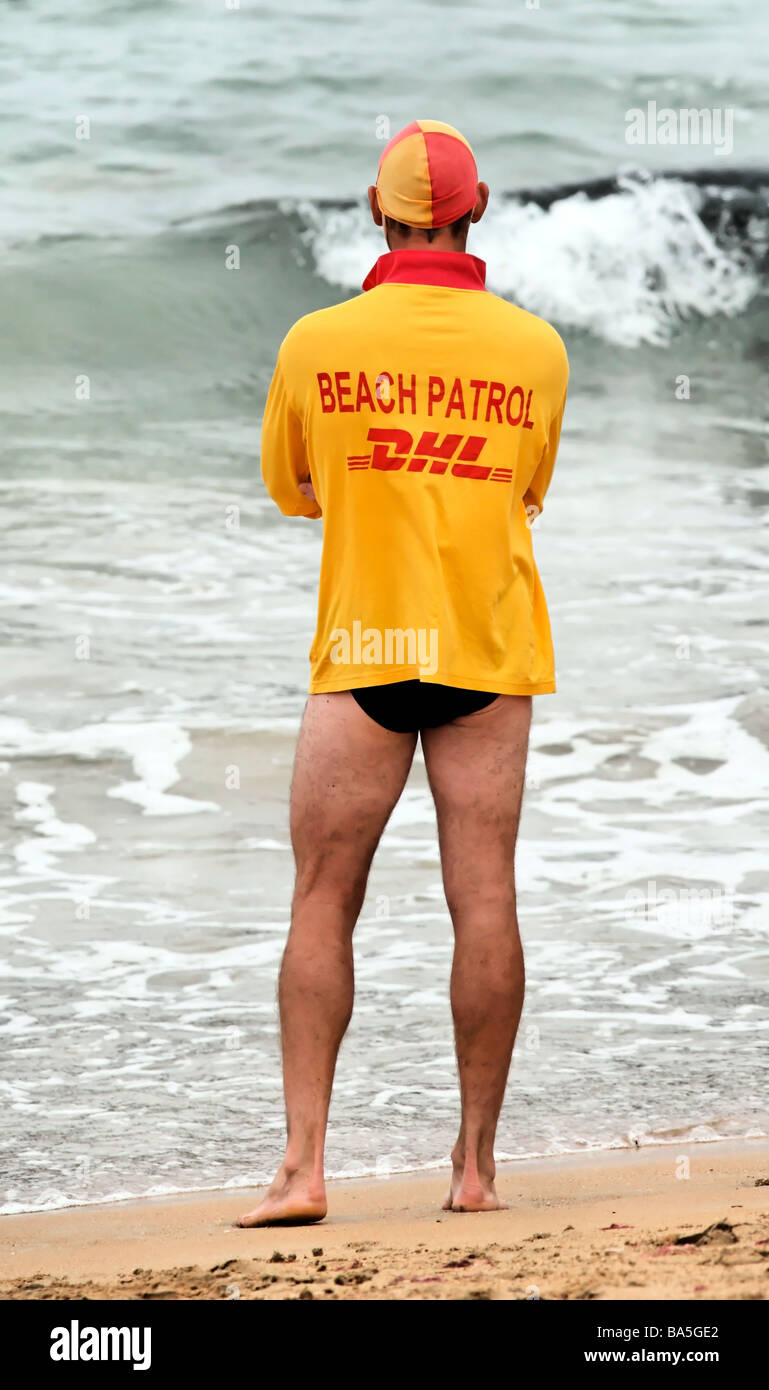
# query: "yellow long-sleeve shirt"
427,412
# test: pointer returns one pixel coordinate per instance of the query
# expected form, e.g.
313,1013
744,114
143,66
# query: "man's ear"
482,198
376,211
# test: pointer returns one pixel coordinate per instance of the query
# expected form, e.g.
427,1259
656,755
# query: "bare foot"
477,1197
293,1200
472,1193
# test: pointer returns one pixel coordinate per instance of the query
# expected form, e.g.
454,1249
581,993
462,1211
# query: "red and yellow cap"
427,175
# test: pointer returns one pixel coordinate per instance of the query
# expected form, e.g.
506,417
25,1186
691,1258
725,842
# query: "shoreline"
614,1223
399,1175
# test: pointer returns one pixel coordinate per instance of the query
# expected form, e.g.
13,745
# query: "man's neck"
420,243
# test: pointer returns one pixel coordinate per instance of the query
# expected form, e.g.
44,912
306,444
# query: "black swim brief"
407,706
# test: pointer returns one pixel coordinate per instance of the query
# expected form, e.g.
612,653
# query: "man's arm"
534,496
285,469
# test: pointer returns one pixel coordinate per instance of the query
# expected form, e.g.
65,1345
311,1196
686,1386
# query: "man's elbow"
289,500
296,505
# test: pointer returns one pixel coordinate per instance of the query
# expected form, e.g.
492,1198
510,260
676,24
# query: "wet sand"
616,1225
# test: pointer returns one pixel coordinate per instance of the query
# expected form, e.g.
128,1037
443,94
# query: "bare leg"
476,766
348,775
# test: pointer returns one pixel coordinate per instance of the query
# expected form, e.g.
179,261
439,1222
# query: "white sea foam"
628,267
154,750
39,856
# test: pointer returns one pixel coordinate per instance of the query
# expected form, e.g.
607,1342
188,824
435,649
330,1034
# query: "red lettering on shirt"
456,399
517,390
436,390
477,387
381,457
511,405
364,396
409,393
429,448
343,390
497,394
384,392
470,450
327,400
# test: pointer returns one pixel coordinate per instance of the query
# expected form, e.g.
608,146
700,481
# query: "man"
421,420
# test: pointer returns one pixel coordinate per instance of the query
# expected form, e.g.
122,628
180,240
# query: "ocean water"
156,610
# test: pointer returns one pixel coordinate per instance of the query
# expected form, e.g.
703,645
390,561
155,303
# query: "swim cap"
427,175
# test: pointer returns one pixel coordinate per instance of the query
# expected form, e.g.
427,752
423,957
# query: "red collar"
458,270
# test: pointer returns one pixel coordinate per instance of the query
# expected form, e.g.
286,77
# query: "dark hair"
458,229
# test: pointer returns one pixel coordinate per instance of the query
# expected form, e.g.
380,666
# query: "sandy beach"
614,1225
